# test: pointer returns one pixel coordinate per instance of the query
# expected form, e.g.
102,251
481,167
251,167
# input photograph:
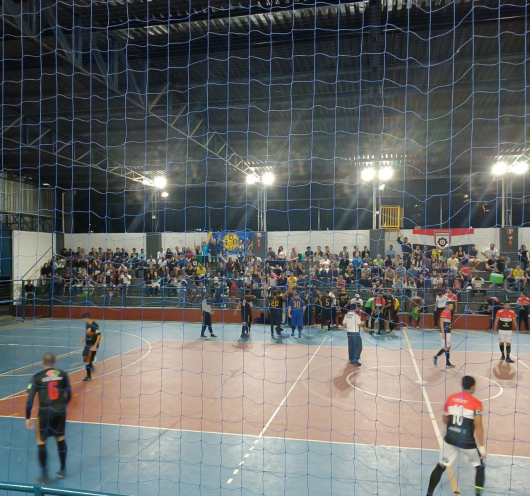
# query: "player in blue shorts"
296,311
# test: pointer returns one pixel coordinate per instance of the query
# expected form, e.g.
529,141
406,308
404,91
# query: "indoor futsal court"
167,413
264,248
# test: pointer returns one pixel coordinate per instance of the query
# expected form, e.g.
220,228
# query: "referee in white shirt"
354,325
206,319
440,303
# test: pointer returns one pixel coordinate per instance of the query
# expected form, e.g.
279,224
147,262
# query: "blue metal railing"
38,490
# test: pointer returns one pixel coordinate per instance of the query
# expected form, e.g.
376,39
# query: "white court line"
12,372
520,361
255,436
267,425
22,393
450,473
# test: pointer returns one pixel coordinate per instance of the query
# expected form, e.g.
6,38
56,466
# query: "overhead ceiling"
106,93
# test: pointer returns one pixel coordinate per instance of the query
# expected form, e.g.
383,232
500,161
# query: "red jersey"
451,296
462,408
505,317
446,315
523,301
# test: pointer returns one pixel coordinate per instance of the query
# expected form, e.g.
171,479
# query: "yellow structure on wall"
391,217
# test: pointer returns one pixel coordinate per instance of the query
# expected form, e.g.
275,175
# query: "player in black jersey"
326,303
53,389
276,304
343,300
92,339
245,305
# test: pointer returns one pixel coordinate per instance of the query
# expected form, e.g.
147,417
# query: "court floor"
168,413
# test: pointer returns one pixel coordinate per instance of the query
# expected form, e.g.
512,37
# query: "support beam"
12,124
193,131
158,95
40,137
135,97
61,38
178,114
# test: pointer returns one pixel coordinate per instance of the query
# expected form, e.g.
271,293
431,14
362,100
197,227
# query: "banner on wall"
442,238
230,240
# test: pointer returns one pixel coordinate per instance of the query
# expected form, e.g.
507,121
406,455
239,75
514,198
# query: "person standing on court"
445,334
207,319
91,340
53,389
464,436
296,309
354,324
245,306
276,304
505,323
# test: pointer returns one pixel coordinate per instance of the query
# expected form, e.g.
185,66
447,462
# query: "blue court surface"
150,461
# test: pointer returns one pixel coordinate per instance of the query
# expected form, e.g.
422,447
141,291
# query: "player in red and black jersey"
505,323
445,334
52,387
91,340
464,436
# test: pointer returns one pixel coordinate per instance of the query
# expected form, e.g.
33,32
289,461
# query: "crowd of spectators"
189,273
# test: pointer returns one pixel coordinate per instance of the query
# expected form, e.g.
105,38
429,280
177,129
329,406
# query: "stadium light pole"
369,174
267,180
501,170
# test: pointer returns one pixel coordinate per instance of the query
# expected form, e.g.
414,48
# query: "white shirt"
488,252
355,301
441,301
161,255
206,306
352,323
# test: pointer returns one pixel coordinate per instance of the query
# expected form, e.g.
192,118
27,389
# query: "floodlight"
499,169
386,173
519,168
160,182
252,179
267,179
368,174
165,194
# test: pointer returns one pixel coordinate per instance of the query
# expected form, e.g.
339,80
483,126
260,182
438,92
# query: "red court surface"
297,392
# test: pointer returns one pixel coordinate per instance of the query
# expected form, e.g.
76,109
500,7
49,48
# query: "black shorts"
50,424
326,315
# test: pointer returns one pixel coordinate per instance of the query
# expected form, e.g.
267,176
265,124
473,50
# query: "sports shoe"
86,379
509,360
203,337
502,358
44,480
212,335
61,474
435,360
322,330
299,336
292,334
449,366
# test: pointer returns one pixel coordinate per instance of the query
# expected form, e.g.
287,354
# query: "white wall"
172,240
299,239
104,240
28,248
334,239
